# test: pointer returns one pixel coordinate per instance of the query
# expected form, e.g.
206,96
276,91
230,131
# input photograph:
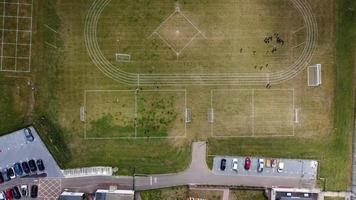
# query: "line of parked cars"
18,192
261,164
21,169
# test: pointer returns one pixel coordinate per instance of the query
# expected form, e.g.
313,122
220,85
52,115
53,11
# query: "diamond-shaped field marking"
177,31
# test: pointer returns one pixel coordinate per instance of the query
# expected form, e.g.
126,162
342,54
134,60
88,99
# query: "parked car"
18,169
24,190
8,194
260,165
223,164
2,196
247,163
28,135
34,191
11,173
235,164
25,167
4,174
40,165
32,165
280,167
1,178
16,192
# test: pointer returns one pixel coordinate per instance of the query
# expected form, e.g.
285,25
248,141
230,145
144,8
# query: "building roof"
71,196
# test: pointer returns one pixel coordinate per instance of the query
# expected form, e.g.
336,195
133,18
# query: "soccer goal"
121,57
211,115
188,115
82,114
296,115
314,75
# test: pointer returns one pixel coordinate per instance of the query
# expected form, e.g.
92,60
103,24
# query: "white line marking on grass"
190,41
211,105
253,111
50,28
135,115
17,32
29,62
85,107
185,106
193,25
167,43
2,40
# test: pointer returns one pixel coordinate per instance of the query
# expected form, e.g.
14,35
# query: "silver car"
260,165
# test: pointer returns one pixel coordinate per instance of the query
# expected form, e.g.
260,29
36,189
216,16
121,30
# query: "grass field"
62,71
246,195
134,114
253,113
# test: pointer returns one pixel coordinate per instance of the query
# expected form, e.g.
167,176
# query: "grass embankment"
13,105
174,193
334,151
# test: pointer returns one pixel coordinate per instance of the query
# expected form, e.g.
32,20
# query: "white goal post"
314,75
211,115
82,114
122,57
188,115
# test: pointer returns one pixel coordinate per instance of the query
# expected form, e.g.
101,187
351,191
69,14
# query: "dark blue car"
18,170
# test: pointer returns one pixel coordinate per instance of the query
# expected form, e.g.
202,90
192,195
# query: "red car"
247,163
8,194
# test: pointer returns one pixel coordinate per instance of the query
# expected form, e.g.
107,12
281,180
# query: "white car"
260,165
234,164
24,190
2,196
280,167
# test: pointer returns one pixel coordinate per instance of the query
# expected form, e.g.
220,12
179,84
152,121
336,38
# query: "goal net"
211,115
121,57
82,114
314,75
188,115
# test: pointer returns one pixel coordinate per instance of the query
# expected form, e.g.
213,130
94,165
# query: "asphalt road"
197,173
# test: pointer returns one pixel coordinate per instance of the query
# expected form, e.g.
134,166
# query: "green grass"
105,127
174,193
12,116
156,115
246,195
52,136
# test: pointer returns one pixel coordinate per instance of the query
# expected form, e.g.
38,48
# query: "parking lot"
306,169
15,148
